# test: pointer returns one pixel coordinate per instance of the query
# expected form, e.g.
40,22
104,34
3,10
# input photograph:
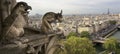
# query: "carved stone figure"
13,25
49,18
5,9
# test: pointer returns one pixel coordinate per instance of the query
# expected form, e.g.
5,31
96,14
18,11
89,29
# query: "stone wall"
5,9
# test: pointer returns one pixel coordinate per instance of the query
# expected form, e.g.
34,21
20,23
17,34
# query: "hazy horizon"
74,6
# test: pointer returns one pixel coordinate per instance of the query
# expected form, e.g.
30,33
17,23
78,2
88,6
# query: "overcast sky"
74,6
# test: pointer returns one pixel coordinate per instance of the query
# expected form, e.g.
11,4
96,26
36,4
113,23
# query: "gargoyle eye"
21,5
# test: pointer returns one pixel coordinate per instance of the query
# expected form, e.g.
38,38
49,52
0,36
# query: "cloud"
72,6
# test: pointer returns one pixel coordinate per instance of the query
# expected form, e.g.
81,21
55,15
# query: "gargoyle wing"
8,22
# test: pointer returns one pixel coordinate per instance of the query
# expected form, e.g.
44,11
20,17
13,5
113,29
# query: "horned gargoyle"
13,25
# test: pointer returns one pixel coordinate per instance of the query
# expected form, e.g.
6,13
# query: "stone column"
5,9
0,18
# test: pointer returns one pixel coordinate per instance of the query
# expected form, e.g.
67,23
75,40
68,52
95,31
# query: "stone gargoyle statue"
48,18
13,25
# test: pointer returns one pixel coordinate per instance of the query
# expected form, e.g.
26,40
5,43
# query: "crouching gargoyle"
48,18
13,25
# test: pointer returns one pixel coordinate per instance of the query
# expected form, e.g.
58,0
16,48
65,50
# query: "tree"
77,45
111,45
85,34
71,34
60,51
112,22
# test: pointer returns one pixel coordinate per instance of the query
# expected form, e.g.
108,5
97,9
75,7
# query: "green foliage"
111,44
112,22
76,45
85,34
71,34
60,51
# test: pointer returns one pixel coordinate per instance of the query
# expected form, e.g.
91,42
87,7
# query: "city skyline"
74,6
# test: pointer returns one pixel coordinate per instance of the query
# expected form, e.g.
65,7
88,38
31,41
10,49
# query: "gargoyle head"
23,6
59,16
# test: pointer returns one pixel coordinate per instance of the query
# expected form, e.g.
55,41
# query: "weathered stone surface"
48,18
5,9
13,25
12,49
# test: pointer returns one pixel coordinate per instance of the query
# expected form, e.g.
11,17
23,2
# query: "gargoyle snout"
29,7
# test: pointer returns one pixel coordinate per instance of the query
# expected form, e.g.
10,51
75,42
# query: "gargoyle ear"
61,12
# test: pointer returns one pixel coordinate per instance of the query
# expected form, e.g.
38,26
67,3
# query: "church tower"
108,12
